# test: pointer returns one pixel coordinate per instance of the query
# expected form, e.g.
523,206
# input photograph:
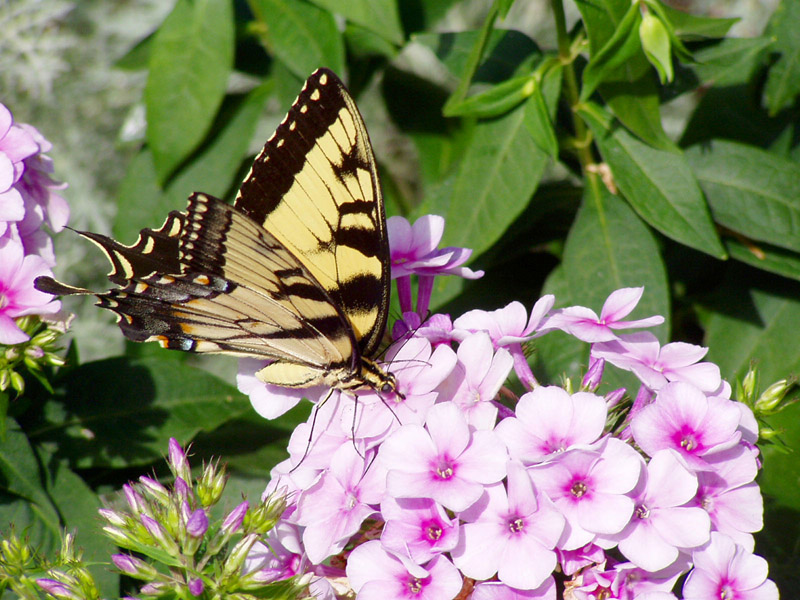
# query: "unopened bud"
196,586
135,567
657,46
211,484
155,489
159,535
60,590
178,463
594,374
772,397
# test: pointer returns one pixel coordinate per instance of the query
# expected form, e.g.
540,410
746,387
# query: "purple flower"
730,496
443,461
686,420
18,297
16,145
512,534
476,379
626,580
437,329
549,421
507,327
334,507
270,401
589,487
723,569
417,527
494,590
661,524
414,249
585,325
642,354
376,574
572,561
37,187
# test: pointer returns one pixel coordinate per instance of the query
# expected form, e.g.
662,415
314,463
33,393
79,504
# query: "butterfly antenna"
311,432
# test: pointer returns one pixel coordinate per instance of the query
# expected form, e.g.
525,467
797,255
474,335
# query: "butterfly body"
295,272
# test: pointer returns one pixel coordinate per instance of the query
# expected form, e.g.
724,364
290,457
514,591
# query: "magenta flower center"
688,443
642,512
726,593
433,532
444,470
3,300
516,525
579,488
414,586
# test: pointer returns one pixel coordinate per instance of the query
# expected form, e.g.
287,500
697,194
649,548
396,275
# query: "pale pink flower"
584,324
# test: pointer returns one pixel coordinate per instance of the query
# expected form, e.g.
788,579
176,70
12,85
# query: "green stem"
572,88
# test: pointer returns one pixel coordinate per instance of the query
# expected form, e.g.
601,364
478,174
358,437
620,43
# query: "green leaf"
540,112
658,184
609,248
122,412
495,101
24,501
766,257
690,26
303,36
505,50
493,183
750,191
783,81
191,57
754,324
380,16
142,202
779,476
606,64
730,62
78,506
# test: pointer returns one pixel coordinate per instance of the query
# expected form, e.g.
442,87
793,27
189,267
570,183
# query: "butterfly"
296,271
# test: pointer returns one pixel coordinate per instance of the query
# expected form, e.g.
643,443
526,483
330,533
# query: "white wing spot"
323,79
315,95
304,109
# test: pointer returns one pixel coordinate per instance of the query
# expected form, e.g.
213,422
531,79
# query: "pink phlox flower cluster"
28,199
443,485
584,324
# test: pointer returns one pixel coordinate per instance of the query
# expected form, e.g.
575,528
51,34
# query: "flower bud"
14,551
264,516
748,387
233,522
134,567
60,590
178,463
772,397
594,374
211,484
656,45
235,561
17,382
154,489
197,524
135,500
113,517
613,397
159,535
196,586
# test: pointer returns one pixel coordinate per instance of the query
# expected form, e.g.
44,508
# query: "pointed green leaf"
609,248
691,26
303,36
122,412
142,202
766,257
658,184
750,191
380,16
191,57
730,62
493,183
495,101
783,81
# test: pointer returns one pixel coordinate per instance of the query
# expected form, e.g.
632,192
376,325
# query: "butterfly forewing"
315,186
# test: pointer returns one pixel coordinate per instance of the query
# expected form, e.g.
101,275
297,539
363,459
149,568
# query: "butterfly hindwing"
296,271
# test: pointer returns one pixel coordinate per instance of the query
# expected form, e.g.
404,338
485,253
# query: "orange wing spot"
141,287
202,280
162,340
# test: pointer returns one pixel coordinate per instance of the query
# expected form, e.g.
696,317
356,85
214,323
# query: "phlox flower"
662,523
549,421
686,420
731,497
655,365
418,527
572,561
38,188
626,581
376,574
334,507
495,590
16,145
508,327
584,324
270,401
723,569
444,460
476,379
413,249
419,369
589,487
512,533
18,297
437,329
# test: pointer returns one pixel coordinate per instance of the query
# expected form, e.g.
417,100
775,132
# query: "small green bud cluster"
39,351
